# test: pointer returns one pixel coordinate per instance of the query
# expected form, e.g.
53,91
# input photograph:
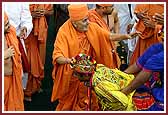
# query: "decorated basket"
83,66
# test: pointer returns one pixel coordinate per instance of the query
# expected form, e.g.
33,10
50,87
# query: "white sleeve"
26,18
134,18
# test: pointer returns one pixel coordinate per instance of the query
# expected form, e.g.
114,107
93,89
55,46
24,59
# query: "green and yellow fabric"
107,84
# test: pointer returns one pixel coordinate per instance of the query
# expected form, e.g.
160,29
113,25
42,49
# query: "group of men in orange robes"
35,48
85,32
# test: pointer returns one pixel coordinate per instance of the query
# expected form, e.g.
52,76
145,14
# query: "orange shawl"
151,10
149,35
96,18
36,55
36,73
66,87
14,93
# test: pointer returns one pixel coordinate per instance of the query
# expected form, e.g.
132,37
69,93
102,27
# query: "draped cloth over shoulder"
69,43
13,91
96,18
40,24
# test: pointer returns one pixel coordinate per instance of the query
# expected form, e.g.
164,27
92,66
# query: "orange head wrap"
77,11
103,5
5,17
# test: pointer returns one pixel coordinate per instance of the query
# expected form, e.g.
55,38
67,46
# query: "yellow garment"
107,84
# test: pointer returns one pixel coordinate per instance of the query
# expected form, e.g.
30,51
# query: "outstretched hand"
134,34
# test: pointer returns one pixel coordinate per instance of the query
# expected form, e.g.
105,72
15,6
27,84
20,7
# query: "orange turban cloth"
5,17
77,11
103,5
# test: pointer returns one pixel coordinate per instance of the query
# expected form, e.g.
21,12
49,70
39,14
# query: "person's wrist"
67,60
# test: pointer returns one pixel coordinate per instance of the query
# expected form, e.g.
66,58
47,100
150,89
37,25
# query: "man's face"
108,10
82,25
6,26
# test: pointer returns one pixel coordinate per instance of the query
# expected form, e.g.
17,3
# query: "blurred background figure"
126,17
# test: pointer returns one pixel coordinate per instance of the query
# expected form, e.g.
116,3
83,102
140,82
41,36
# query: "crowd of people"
40,41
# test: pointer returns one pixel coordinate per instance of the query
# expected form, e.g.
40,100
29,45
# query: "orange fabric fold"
96,18
35,46
13,91
40,26
36,73
149,35
95,42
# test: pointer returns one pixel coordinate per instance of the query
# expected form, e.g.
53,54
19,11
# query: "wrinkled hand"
23,33
158,18
38,13
9,52
68,60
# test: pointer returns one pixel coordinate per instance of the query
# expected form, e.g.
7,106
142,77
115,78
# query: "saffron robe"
149,35
96,18
70,92
13,91
35,46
